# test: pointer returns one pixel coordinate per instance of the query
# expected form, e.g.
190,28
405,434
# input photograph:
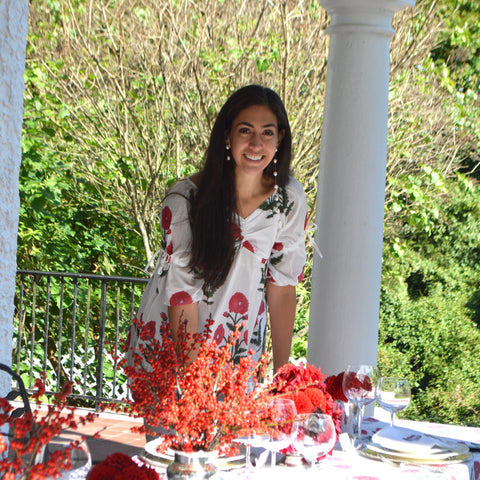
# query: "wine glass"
315,436
283,416
359,386
80,458
393,395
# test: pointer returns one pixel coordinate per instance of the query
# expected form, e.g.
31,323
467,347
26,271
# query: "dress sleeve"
287,259
181,285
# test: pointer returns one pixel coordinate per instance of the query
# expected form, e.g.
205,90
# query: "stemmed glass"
81,460
315,436
359,386
283,415
393,395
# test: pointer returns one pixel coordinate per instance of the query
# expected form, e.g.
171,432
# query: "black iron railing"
73,327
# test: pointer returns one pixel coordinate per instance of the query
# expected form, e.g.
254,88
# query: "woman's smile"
254,139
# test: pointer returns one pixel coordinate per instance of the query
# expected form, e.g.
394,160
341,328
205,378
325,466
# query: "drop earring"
228,153
275,170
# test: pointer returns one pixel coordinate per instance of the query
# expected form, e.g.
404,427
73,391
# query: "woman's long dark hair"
213,245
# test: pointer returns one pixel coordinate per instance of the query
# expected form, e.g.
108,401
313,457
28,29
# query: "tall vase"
192,466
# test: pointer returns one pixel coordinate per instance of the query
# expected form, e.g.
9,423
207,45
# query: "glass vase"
192,465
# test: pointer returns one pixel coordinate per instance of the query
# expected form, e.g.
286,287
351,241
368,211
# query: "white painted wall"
13,33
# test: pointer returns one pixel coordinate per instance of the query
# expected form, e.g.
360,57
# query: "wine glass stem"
392,418
357,424
248,451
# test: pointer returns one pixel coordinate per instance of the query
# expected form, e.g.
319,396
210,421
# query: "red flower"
302,402
219,334
166,218
262,308
278,246
148,331
300,277
359,386
121,467
238,303
169,248
102,472
236,232
119,461
334,387
180,298
248,246
317,397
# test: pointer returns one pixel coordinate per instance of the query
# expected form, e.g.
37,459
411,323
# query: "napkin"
410,441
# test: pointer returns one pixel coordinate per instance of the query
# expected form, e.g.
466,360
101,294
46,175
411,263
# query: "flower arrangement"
311,391
201,404
33,430
121,467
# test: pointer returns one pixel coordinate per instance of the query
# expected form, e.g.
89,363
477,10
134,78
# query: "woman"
233,234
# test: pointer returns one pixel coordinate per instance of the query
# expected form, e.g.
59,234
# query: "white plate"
406,441
438,455
430,460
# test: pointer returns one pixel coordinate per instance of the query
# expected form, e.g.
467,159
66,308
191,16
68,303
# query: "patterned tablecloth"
348,465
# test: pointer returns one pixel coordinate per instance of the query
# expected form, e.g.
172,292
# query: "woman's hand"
189,315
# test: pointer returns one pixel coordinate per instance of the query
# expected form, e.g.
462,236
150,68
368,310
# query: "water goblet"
80,458
393,395
283,416
315,436
359,386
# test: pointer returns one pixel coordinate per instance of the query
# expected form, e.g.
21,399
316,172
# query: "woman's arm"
188,314
282,303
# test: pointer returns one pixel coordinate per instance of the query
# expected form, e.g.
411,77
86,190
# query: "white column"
13,34
351,185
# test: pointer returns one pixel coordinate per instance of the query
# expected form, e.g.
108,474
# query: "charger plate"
407,441
440,458
454,448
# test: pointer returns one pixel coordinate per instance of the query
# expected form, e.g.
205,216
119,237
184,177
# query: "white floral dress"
270,245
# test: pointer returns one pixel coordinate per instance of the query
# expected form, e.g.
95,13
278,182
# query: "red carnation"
166,218
169,248
278,246
238,303
317,397
148,331
335,388
302,402
102,472
180,298
119,461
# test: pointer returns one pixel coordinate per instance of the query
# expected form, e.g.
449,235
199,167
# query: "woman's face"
253,139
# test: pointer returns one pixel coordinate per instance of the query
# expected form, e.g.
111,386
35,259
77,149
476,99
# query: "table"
345,465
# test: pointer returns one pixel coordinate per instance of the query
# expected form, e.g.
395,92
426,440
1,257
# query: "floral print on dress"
269,247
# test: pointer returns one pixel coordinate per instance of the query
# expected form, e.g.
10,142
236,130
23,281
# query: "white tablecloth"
344,465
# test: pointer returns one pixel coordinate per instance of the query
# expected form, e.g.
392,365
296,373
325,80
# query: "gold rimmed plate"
433,459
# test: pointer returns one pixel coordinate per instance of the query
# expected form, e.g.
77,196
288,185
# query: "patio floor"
115,435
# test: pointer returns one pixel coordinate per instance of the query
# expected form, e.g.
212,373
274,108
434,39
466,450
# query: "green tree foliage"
120,100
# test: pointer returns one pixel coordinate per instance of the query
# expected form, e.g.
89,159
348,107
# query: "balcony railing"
73,327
